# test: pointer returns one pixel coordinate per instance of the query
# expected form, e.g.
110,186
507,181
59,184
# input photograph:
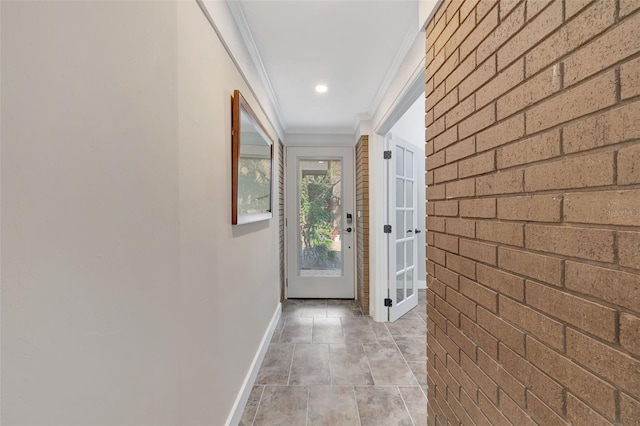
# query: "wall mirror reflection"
252,150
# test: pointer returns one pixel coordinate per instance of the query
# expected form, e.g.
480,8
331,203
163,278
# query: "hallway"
328,364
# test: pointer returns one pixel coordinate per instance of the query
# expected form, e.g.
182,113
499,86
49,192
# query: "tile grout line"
355,398
406,407
293,354
258,406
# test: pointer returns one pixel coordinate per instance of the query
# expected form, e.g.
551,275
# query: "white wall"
126,293
410,128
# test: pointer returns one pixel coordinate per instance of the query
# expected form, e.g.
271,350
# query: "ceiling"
354,47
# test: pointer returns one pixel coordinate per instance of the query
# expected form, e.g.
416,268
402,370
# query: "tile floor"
327,364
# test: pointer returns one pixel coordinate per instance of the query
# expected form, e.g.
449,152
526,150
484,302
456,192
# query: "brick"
585,98
603,207
607,362
445,139
476,122
447,277
630,333
478,77
435,129
450,27
589,316
436,224
616,287
594,20
505,381
465,68
462,149
435,192
467,24
450,347
429,181
450,64
503,32
544,328
480,164
629,249
484,7
532,377
436,255
446,208
467,346
461,188
461,265
573,172
479,336
446,173
462,227
539,267
531,91
532,33
491,411
500,183
500,134
507,334
582,383
541,413
461,303
483,207
626,7
610,127
479,294
501,282
471,406
482,30
448,102
581,414
534,7
483,381
513,412
574,6
622,41
629,410
459,411
462,110
530,150
536,208
501,232
435,161
504,81
482,252
629,165
446,242
585,243
437,95
451,313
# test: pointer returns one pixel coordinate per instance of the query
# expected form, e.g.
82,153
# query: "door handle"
409,231
418,231
347,230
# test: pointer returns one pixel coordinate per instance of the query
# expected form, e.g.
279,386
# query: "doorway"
320,223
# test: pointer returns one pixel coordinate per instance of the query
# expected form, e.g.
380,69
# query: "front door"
320,222
402,202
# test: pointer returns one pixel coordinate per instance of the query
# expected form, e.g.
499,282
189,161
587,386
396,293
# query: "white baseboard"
245,390
422,284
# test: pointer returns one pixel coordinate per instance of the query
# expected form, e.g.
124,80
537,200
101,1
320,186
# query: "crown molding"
239,17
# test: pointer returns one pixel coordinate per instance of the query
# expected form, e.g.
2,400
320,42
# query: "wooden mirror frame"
238,104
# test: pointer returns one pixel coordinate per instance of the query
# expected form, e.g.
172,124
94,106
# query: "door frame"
353,203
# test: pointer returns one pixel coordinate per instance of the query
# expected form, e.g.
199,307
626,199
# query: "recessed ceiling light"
321,88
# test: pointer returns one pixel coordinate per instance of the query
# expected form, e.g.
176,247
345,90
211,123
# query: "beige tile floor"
327,364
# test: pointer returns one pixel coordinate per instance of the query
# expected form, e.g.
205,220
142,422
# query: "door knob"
418,231
348,229
409,231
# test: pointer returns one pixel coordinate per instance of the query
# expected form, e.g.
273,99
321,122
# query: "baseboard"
245,390
422,284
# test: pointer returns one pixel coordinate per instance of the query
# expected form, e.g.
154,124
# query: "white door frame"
378,252
291,196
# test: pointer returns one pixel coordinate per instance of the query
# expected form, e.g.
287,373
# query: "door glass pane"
399,288
409,283
409,221
408,164
320,213
400,223
400,162
409,198
410,243
399,192
399,256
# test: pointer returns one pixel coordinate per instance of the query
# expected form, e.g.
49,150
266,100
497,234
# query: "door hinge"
388,302
387,155
387,229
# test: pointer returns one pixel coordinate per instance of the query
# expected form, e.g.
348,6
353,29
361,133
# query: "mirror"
252,151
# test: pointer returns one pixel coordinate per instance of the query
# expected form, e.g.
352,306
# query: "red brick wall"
533,167
362,222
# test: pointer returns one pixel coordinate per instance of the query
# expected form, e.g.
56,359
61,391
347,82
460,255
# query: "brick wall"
533,167
281,216
362,222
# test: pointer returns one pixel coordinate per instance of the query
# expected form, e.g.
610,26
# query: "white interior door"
320,222
403,200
